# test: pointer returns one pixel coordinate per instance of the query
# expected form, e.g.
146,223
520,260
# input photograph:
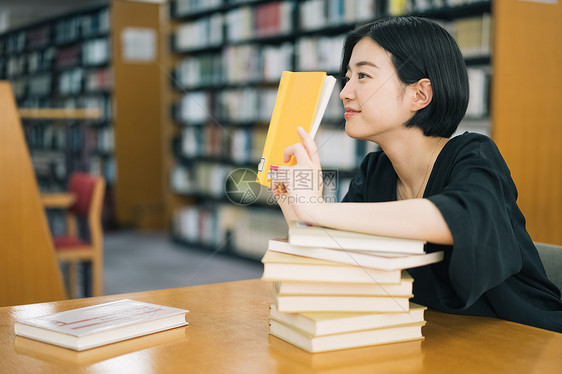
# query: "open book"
302,98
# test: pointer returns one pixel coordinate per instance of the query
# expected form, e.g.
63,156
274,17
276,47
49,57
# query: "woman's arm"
413,219
287,209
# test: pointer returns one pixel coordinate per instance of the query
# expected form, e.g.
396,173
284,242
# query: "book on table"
384,301
301,100
101,324
335,289
301,234
352,339
287,267
337,303
368,259
328,323
404,288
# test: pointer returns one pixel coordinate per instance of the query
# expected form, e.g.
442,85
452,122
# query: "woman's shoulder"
475,149
475,143
470,138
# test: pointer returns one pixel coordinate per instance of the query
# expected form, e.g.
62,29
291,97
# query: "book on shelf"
258,225
479,91
404,288
328,323
473,35
301,234
353,339
287,267
301,100
368,259
346,157
97,325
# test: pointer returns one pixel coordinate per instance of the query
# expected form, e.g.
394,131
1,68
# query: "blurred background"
180,94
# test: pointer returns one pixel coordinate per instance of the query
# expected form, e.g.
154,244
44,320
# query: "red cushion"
82,185
66,242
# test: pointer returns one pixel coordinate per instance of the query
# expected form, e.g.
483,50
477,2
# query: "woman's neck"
412,155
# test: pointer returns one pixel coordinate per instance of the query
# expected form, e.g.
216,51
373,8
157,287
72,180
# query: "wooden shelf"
135,169
200,199
51,113
226,250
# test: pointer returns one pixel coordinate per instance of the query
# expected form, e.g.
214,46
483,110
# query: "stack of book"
336,289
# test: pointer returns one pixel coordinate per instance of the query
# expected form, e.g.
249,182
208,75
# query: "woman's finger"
280,177
309,144
298,151
278,188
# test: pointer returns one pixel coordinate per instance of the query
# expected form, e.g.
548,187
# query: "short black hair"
420,48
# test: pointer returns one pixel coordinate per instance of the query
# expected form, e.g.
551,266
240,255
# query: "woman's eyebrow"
364,63
368,63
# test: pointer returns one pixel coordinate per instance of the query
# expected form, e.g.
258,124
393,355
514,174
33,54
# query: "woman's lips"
350,112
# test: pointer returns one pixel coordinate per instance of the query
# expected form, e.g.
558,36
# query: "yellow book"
301,101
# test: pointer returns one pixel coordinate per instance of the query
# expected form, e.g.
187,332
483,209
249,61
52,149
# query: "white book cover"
97,325
287,267
328,323
329,303
368,259
404,288
301,234
353,339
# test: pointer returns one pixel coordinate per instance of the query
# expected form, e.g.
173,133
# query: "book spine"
265,163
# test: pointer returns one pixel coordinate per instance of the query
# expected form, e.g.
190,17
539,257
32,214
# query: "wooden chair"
83,204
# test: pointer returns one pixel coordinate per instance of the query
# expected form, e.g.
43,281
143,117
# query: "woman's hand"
298,187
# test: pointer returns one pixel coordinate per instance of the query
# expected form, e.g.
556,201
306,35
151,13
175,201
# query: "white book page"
327,88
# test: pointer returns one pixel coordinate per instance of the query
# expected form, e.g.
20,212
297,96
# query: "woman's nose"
346,92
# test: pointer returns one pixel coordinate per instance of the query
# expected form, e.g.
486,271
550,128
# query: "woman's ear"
422,93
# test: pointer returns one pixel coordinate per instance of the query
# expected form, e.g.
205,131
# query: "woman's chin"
353,133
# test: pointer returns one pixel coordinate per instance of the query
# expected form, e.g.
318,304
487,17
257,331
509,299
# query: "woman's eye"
362,75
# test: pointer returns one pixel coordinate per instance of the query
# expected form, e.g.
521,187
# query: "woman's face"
373,96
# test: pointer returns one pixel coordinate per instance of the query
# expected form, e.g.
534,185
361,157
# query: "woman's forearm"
286,208
413,219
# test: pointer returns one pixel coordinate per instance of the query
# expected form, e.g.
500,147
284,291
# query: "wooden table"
228,333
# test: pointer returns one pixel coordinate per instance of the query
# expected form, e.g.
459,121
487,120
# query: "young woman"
406,89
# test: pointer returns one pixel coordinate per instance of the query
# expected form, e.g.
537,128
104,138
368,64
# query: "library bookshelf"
228,57
82,60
